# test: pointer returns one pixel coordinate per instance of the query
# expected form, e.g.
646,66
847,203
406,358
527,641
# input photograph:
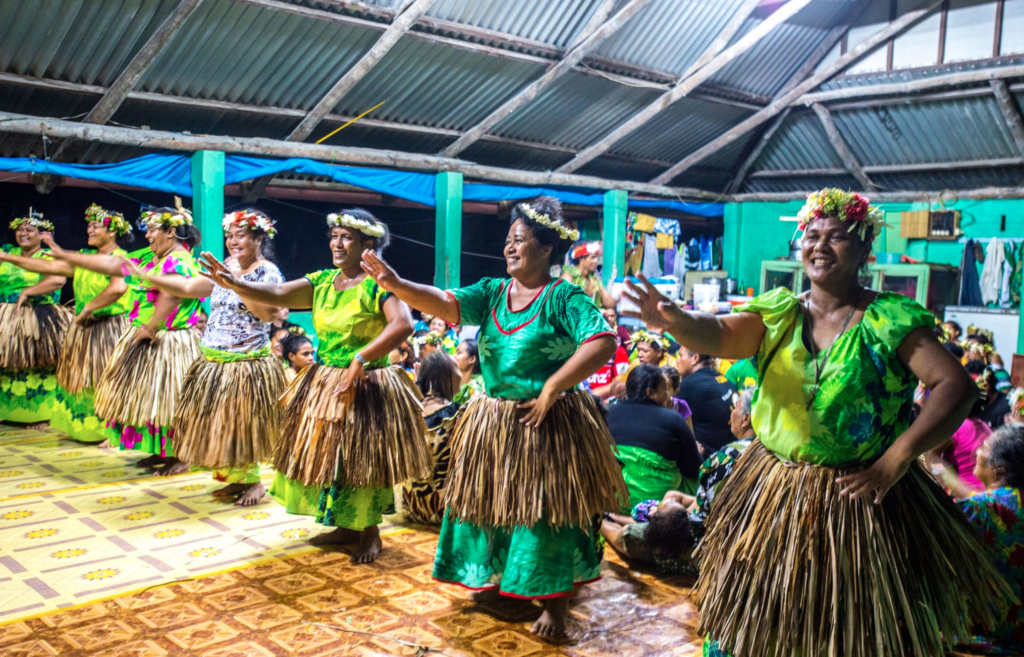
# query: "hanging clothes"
1018,270
992,272
665,240
705,253
970,285
1004,292
652,266
670,260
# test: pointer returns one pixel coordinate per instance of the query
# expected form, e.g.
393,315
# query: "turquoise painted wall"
754,232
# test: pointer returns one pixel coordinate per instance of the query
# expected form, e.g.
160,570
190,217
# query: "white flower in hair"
563,231
375,229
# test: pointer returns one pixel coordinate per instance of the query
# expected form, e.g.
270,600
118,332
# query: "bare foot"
39,426
340,536
551,624
105,444
369,546
152,461
486,595
253,494
229,491
174,467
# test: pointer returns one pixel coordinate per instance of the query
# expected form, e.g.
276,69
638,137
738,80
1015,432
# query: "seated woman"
997,514
422,500
656,446
675,403
958,452
297,351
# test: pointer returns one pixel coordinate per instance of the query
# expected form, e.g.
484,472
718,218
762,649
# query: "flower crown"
429,338
646,336
847,206
255,221
974,330
33,219
373,229
563,231
112,221
943,332
178,217
586,249
983,350
1016,399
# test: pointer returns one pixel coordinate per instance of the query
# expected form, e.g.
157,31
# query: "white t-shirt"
231,326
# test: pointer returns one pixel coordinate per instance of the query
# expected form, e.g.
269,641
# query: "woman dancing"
531,468
829,538
139,390
32,328
353,426
227,418
101,306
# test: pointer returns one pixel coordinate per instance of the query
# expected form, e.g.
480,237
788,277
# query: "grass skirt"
227,413
139,391
31,336
87,350
504,474
790,567
374,441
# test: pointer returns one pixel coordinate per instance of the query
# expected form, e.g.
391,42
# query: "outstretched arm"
732,336
196,287
295,294
425,298
39,265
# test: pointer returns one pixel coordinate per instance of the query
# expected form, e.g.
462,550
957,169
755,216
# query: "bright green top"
591,280
88,284
346,321
144,298
866,393
14,279
742,374
520,350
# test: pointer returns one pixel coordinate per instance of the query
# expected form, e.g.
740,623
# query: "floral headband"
112,221
586,249
847,206
563,231
178,217
254,220
373,229
978,349
943,332
1016,399
33,219
974,330
647,336
430,338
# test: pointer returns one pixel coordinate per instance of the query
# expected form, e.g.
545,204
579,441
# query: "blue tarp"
173,174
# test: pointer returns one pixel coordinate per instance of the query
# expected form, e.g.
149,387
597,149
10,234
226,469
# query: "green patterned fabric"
591,281
149,438
649,476
521,350
14,279
354,508
27,396
75,416
144,298
471,389
218,356
539,562
866,394
742,374
88,284
346,321
294,497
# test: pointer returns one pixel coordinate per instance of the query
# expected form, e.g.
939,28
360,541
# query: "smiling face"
347,246
831,253
99,235
439,326
161,240
28,237
243,243
524,255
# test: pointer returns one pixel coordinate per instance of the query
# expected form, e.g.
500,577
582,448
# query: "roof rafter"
894,28
532,90
1011,113
842,148
715,62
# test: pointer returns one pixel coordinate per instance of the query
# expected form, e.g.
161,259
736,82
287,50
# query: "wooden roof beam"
842,148
894,28
1011,113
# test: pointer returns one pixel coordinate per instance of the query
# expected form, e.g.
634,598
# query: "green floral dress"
74,413
150,437
519,351
26,395
345,321
866,396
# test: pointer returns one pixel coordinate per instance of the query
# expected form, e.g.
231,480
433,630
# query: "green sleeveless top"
88,284
14,279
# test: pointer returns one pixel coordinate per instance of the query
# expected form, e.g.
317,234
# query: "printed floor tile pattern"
320,604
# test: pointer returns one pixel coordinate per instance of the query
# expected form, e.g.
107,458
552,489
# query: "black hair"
644,378
379,243
552,208
674,378
408,355
669,533
980,338
187,234
292,344
979,369
474,352
701,358
1008,454
955,349
437,375
959,329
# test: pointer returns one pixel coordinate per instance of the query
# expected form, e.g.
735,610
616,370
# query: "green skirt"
536,562
294,497
148,438
354,508
28,396
649,476
75,415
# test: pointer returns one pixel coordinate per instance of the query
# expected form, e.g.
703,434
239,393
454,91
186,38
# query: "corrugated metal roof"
381,138
575,111
801,143
620,169
514,156
799,184
959,179
175,118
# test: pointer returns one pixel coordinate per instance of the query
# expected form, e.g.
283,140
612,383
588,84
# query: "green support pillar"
208,199
614,220
448,229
